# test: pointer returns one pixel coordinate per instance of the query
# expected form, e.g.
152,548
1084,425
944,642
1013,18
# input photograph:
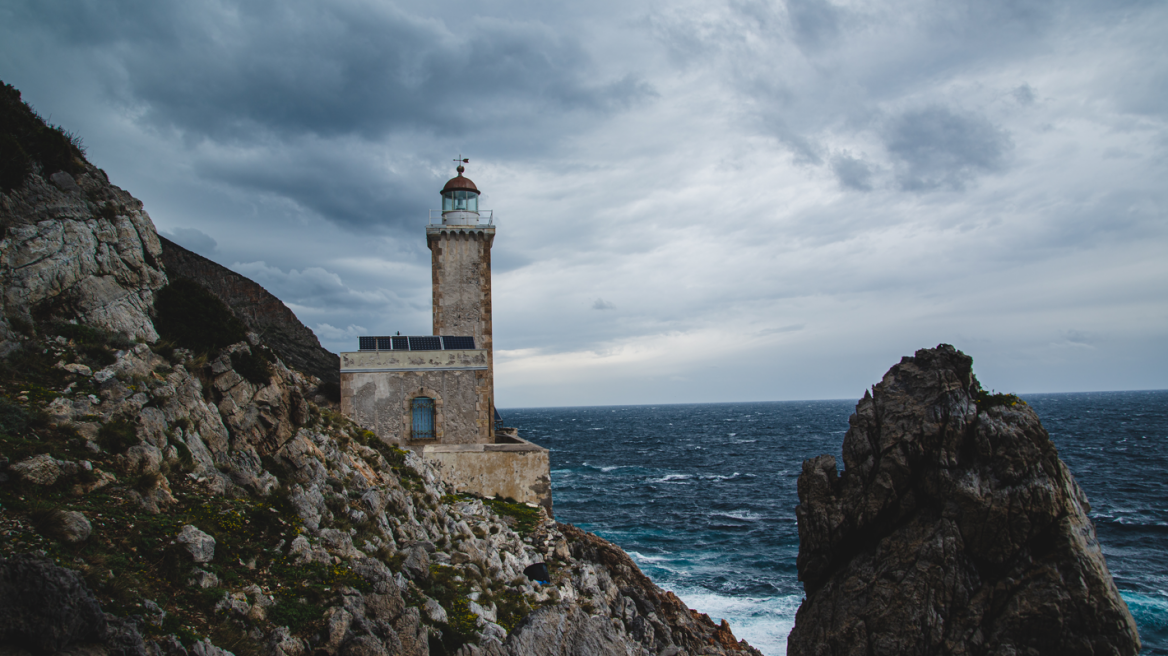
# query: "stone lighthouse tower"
460,248
435,394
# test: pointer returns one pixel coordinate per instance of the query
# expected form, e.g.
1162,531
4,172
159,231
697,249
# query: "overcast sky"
695,201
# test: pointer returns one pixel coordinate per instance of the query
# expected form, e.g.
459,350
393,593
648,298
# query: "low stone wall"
517,469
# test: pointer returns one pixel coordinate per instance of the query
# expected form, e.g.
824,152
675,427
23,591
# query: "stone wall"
381,400
518,470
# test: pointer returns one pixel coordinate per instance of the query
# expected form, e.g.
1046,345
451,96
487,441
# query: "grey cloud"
852,173
793,328
1079,337
602,304
239,73
312,287
347,186
936,148
1024,95
192,239
815,23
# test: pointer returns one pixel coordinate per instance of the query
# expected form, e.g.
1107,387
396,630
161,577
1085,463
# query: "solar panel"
401,343
367,343
425,344
451,343
383,344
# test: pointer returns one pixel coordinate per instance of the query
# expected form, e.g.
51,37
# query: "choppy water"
703,496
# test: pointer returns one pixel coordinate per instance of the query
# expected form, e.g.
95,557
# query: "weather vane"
461,161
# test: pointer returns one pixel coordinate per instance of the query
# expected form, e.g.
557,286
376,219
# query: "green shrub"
987,400
330,391
13,418
194,318
254,366
294,614
117,436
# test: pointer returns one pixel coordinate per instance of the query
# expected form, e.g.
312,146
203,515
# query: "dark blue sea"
703,496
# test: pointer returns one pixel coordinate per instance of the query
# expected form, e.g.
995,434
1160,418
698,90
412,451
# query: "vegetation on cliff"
27,143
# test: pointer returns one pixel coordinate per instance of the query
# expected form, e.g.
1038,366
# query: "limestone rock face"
953,529
77,247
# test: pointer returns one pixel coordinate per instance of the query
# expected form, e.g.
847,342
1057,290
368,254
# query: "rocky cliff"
954,528
188,496
259,310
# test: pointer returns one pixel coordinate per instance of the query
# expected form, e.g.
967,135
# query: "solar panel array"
457,343
425,343
420,343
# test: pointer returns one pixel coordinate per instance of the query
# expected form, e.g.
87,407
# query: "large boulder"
954,528
48,609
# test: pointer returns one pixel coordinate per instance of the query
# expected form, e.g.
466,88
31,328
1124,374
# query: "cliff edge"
954,528
258,309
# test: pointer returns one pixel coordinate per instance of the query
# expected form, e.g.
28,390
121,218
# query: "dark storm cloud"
937,148
345,185
815,23
852,173
330,69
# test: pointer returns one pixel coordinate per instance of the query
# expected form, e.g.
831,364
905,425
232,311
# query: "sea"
703,496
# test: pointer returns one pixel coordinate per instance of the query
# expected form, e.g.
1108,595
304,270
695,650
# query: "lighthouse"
435,394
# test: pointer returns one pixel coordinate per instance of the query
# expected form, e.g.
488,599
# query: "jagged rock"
46,608
200,545
203,579
140,459
417,564
283,643
205,648
41,469
100,480
73,527
566,630
434,611
953,529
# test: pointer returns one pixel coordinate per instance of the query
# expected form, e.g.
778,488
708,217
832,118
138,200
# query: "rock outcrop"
954,528
75,247
262,312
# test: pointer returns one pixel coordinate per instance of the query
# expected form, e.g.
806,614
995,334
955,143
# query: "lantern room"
460,200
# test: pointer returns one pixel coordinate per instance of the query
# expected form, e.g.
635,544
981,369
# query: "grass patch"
526,518
987,400
294,613
117,436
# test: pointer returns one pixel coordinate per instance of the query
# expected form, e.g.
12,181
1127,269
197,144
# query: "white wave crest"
671,478
744,515
764,622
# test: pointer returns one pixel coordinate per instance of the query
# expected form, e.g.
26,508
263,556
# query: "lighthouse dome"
460,200
460,183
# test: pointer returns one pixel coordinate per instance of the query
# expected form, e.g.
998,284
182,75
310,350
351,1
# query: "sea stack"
954,528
